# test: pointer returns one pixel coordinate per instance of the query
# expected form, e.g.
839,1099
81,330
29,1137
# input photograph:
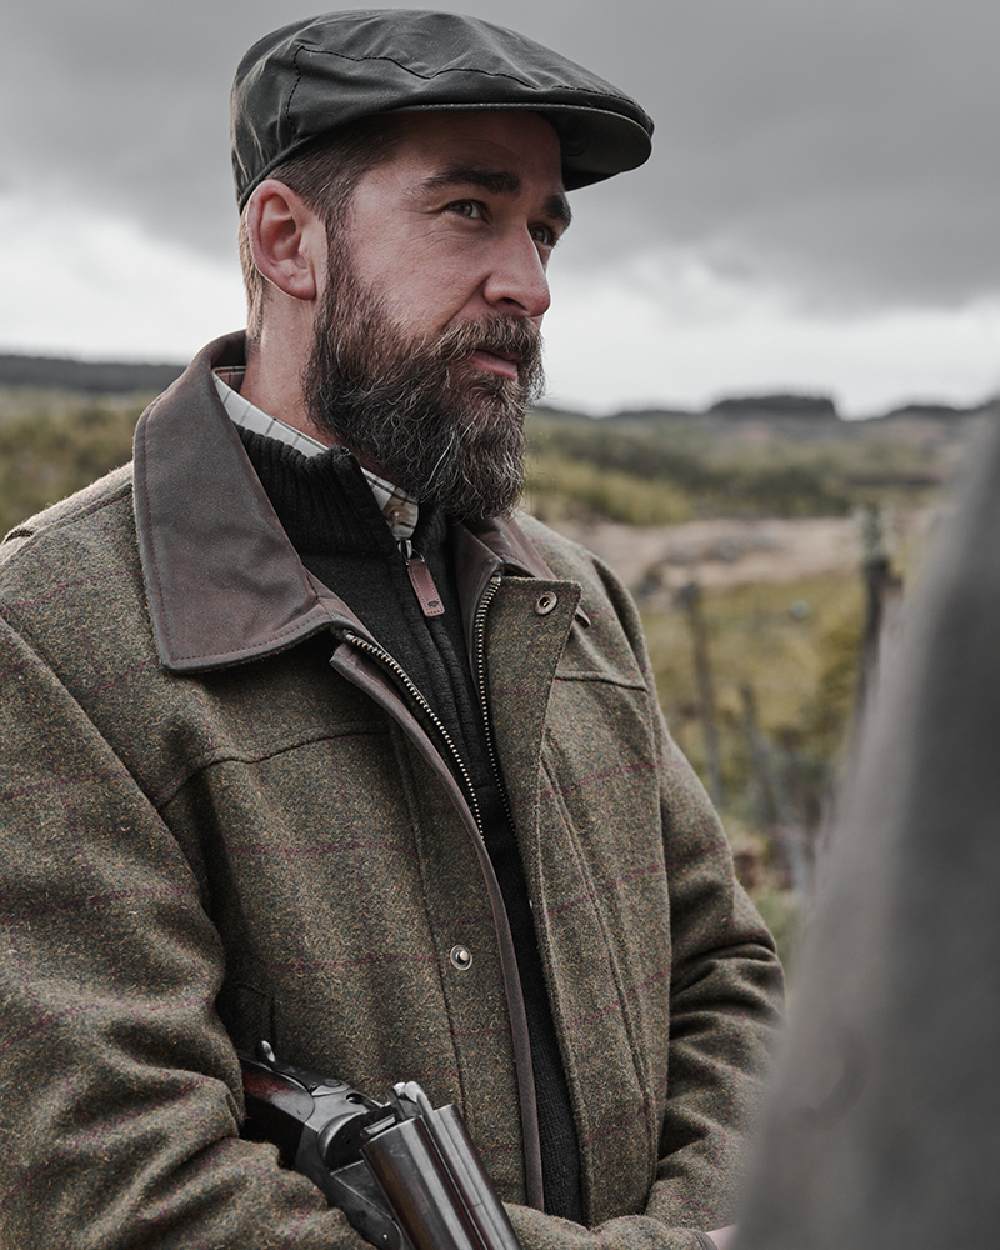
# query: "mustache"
512,337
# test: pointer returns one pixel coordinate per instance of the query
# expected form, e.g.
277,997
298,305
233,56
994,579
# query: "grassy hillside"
708,466
54,442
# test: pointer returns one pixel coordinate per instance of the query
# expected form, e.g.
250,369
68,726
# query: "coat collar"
223,583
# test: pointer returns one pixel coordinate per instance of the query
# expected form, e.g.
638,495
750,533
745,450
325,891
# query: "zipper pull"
422,580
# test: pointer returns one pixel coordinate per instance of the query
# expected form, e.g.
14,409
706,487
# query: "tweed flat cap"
306,79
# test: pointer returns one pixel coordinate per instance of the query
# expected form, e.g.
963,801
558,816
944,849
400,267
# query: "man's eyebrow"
497,182
557,206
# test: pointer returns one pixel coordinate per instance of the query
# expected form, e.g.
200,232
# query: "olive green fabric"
200,858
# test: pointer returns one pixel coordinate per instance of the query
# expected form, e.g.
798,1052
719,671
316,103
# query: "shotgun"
406,1174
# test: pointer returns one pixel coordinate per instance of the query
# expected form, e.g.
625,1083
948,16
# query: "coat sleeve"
121,1091
726,995
726,990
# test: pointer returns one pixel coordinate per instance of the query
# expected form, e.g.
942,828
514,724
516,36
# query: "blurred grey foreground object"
884,1129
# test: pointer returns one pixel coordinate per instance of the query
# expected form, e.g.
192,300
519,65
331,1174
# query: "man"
308,741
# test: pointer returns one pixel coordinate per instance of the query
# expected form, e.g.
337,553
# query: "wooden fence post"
776,813
689,599
882,587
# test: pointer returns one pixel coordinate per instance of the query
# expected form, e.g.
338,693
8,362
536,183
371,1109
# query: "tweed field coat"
222,822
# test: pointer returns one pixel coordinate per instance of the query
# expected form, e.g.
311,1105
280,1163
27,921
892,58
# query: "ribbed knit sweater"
331,518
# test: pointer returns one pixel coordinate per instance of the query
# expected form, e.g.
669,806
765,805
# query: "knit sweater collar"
325,504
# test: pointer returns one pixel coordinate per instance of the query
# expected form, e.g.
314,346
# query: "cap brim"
596,143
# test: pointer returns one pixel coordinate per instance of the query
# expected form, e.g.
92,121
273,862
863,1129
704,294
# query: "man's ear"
287,239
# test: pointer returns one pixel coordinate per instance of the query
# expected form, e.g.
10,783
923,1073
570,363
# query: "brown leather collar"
223,583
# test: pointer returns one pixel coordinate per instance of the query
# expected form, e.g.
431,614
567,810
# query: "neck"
273,383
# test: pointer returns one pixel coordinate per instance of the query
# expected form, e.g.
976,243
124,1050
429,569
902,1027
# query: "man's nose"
517,280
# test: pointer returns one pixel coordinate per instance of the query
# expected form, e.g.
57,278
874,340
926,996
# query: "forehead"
516,140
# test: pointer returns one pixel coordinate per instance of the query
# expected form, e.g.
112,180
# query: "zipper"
415,693
379,653
479,651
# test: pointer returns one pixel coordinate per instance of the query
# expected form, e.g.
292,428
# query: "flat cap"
308,78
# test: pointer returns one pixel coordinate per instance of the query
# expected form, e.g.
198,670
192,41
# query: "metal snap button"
545,602
461,958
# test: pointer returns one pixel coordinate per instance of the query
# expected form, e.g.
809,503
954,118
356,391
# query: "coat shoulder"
564,556
601,585
86,538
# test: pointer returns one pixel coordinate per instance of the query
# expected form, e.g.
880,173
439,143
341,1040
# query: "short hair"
324,174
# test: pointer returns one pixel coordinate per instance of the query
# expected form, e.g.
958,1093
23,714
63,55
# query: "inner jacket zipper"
413,690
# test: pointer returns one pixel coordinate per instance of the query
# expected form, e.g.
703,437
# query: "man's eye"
544,235
474,210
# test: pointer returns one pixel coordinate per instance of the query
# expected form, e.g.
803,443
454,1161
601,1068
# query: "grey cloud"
842,149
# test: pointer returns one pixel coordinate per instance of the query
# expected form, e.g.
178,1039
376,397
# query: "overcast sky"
821,209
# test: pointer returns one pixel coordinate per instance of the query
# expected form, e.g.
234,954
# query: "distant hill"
934,412
820,407
653,414
94,377
811,414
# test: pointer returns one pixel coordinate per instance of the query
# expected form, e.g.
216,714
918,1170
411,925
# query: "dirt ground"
732,552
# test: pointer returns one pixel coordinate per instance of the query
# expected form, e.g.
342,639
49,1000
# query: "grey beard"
414,410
